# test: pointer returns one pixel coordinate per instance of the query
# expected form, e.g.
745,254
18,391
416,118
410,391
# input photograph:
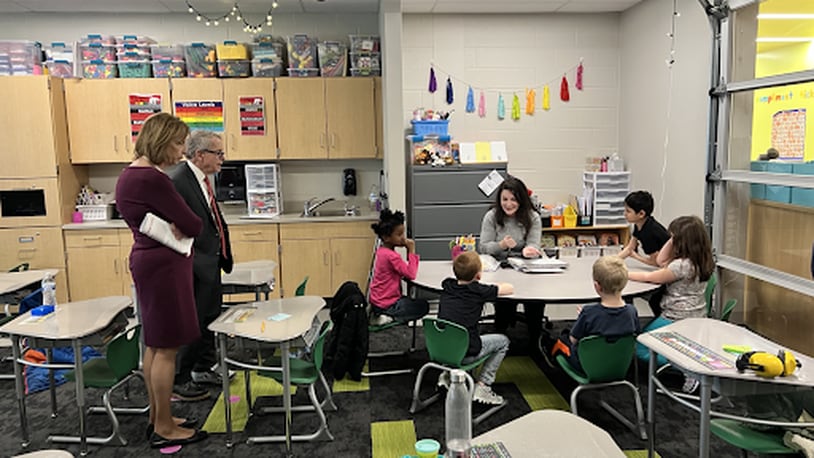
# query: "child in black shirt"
647,232
462,302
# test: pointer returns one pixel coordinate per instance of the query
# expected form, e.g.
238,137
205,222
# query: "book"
159,230
490,450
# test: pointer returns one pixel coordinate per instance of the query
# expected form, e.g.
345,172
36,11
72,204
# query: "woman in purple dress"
163,277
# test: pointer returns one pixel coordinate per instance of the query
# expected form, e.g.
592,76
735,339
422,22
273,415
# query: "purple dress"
163,277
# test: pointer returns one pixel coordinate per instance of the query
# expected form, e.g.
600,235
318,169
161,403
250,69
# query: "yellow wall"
792,58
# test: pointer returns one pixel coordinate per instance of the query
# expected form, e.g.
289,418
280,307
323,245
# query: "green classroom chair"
750,440
301,288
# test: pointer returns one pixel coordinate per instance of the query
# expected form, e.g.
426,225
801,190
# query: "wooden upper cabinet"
242,99
98,111
301,118
198,90
351,117
379,101
27,127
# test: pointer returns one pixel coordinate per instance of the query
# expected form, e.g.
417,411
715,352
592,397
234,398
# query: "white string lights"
234,14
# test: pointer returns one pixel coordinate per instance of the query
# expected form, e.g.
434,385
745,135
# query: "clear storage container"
138,40
364,43
231,50
60,68
263,190
302,52
132,55
266,68
234,68
167,52
99,69
171,68
365,72
303,72
59,51
135,69
371,60
268,50
201,61
333,59
105,40
97,51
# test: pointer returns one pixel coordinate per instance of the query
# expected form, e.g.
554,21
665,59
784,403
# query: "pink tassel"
579,76
482,105
564,94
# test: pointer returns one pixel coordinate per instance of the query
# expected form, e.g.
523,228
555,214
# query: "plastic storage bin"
266,68
95,212
364,43
201,60
365,72
132,55
778,193
268,50
371,60
231,50
439,127
60,68
19,57
302,52
99,69
803,196
234,68
303,72
263,190
171,68
137,40
333,60
135,69
59,51
106,40
97,51
167,52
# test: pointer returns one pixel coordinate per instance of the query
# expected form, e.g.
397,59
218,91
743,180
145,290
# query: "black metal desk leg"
224,374
20,389
651,405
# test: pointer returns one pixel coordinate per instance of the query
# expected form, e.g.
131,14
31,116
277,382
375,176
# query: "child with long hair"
689,264
386,300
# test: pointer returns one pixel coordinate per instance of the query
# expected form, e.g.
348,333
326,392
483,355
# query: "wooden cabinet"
326,118
97,263
328,253
30,137
40,248
622,231
243,144
255,242
99,125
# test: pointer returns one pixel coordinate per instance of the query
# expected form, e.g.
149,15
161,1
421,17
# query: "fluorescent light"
784,39
785,16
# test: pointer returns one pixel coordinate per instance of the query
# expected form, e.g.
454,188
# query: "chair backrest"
123,352
19,267
318,351
606,359
447,342
711,284
301,289
727,310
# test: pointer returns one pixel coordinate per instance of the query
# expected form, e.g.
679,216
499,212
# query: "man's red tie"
215,212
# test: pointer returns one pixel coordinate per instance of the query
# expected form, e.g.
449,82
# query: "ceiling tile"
90,6
596,6
340,6
9,6
486,6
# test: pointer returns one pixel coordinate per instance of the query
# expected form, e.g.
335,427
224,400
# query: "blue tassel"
501,108
470,101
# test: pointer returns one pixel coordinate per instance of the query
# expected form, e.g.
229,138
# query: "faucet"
309,207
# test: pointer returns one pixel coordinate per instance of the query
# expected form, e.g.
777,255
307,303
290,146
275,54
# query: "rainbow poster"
201,114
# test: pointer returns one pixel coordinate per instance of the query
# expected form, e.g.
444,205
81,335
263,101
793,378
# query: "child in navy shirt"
610,317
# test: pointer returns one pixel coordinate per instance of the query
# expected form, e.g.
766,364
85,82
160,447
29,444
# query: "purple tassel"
433,83
450,97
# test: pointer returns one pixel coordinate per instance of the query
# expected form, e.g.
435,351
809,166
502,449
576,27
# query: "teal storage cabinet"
758,190
777,193
803,196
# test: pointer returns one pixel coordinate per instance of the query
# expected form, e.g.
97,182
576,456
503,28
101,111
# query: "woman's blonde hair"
157,133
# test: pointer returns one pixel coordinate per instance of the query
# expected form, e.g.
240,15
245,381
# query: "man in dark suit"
212,252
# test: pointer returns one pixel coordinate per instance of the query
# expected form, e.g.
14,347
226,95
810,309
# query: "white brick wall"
511,53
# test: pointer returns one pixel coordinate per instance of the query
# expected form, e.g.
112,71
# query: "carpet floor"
372,419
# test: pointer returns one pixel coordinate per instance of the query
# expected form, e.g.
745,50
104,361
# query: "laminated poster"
252,116
142,106
201,114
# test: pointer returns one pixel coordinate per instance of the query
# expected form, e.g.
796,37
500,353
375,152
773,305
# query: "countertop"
235,219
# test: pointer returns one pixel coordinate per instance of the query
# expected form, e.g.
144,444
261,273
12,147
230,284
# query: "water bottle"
373,198
458,415
49,291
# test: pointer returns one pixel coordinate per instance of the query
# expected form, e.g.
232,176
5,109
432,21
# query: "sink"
330,213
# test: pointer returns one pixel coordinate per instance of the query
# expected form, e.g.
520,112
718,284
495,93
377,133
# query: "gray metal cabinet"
445,202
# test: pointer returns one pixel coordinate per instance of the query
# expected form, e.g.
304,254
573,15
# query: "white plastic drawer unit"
31,202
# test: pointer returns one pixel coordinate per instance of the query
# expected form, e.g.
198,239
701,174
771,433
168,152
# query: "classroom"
327,127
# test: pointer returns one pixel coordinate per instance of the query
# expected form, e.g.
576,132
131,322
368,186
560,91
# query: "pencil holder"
456,250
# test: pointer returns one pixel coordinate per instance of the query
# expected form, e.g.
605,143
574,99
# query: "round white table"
573,285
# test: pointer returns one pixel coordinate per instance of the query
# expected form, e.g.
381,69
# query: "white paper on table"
467,151
499,152
491,182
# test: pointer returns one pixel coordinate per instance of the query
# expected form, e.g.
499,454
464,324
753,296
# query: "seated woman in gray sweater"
512,228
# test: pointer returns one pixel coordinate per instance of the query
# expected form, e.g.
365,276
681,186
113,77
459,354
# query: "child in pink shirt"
387,302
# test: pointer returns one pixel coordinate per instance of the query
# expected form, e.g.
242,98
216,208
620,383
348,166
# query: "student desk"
250,277
554,433
11,282
266,322
713,335
573,285
90,322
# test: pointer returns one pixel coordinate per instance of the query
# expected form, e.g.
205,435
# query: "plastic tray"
135,69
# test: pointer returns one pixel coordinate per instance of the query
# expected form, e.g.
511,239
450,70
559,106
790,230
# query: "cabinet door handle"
325,258
116,266
128,142
333,139
27,250
115,145
336,259
88,239
232,142
126,265
252,233
322,140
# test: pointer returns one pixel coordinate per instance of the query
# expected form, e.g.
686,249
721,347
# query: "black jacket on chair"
348,342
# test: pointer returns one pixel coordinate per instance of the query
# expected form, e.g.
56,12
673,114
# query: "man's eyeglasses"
220,154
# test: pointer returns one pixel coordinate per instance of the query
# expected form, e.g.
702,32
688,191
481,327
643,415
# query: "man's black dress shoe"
157,441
